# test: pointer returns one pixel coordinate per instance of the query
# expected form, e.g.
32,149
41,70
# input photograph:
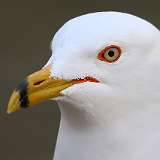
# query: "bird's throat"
121,135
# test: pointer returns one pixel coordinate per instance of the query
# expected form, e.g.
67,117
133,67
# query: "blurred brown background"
26,29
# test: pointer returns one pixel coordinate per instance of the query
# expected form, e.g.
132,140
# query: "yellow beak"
36,88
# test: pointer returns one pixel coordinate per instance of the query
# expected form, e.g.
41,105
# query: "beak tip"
11,109
8,111
14,103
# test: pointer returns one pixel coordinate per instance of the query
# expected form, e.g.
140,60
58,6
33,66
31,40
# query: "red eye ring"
101,55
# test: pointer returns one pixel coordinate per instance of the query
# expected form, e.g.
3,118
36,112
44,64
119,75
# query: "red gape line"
86,79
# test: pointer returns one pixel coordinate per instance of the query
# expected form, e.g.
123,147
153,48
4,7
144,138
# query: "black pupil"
111,53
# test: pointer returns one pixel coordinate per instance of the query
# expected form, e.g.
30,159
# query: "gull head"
104,58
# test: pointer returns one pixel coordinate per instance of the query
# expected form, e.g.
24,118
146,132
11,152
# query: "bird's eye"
110,54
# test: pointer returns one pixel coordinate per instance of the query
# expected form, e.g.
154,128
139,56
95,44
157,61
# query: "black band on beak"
22,88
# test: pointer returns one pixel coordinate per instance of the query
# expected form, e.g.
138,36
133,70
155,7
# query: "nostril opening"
38,83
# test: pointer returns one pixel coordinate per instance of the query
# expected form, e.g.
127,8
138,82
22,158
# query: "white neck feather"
129,132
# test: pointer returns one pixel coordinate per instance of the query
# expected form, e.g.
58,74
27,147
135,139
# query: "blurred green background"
26,29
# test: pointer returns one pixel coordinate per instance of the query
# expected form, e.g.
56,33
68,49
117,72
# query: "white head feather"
111,119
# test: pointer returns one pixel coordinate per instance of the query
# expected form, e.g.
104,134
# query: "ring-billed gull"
104,74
